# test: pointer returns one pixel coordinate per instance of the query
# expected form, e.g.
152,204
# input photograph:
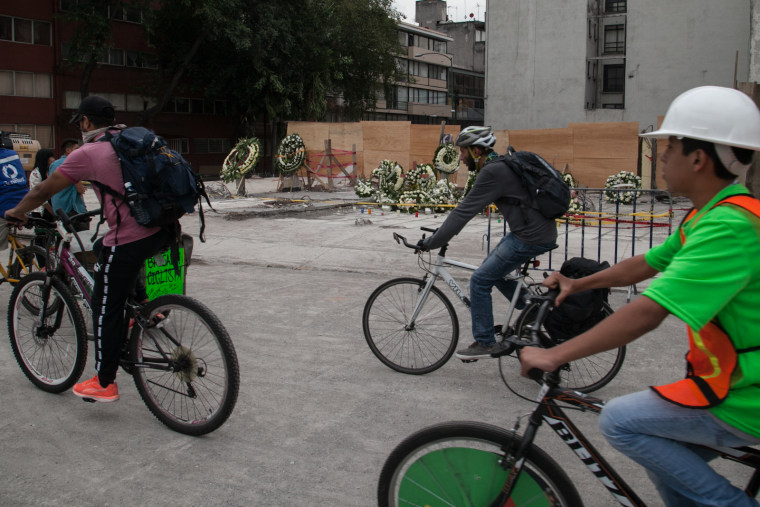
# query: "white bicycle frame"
438,270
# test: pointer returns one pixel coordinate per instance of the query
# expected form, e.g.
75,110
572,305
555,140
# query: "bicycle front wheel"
415,347
51,353
462,463
584,375
29,259
186,369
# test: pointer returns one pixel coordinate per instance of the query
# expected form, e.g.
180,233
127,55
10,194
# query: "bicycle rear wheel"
51,355
415,349
584,375
461,463
195,391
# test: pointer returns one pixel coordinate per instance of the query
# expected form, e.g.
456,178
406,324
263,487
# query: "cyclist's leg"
508,255
652,431
115,275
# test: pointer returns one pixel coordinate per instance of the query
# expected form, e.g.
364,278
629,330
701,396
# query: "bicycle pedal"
89,400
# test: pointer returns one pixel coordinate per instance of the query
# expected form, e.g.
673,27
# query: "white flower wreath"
446,158
390,179
421,177
625,179
241,160
290,154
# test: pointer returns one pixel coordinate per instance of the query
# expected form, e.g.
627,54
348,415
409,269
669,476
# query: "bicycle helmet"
476,136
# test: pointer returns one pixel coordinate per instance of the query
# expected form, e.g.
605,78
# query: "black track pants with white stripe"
115,276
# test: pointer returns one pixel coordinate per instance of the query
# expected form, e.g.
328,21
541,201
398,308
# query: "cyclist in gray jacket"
530,233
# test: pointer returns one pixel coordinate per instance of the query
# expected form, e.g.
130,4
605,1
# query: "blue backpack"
160,186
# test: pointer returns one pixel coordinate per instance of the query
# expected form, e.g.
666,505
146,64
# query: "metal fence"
607,224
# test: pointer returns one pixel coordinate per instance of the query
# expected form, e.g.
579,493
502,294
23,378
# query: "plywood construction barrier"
590,151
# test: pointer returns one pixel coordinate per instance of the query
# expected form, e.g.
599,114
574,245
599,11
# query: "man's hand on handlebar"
536,358
421,246
16,217
561,282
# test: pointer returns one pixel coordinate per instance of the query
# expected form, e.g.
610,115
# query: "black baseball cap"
94,106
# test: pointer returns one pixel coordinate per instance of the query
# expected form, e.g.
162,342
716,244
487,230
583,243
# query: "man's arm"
625,325
622,274
38,195
484,192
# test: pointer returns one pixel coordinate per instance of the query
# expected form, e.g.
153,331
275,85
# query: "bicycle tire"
54,358
198,395
585,375
416,351
461,463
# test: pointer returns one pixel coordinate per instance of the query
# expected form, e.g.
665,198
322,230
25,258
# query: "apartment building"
552,63
445,62
40,88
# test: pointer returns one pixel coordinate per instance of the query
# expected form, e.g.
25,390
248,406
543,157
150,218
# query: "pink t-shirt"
96,161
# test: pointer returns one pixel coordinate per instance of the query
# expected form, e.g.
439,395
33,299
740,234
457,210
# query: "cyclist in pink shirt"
126,244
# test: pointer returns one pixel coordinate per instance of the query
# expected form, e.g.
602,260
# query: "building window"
204,146
25,84
614,39
614,78
180,145
615,5
27,31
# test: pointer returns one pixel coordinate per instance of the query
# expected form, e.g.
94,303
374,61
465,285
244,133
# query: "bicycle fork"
423,293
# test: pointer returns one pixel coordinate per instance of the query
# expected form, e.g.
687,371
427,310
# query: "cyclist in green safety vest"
710,279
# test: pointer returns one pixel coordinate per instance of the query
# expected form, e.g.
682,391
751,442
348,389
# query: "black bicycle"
178,352
471,463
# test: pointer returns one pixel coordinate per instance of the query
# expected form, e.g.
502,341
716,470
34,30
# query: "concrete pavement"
317,413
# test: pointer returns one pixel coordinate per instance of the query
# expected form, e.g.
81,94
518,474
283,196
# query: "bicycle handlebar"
53,224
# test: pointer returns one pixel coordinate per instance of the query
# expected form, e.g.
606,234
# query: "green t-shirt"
716,272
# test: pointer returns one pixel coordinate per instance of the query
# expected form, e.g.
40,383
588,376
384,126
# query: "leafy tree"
282,60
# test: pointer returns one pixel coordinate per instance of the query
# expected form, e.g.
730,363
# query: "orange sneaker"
92,390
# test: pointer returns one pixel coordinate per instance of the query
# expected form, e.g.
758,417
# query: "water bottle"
138,210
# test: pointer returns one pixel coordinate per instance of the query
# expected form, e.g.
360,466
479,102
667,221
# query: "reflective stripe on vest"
712,356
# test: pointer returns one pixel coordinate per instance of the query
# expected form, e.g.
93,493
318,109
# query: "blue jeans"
658,435
508,255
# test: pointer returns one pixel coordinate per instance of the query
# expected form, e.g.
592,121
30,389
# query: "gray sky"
459,10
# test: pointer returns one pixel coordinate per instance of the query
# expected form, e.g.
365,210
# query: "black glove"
421,246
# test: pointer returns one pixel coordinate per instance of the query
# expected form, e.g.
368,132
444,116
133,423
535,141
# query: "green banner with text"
161,277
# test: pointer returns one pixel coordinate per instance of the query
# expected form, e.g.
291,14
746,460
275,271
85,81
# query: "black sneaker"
479,351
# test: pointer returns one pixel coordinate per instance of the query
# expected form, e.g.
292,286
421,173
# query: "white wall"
536,58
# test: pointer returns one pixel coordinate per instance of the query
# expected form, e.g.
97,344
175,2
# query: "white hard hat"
714,114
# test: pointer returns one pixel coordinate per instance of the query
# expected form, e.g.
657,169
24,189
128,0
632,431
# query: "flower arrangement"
364,188
576,201
390,178
471,177
413,200
623,179
569,180
446,158
290,154
241,159
443,192
421,177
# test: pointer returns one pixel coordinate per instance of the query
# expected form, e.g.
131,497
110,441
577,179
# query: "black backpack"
160,186
549,193
580,311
